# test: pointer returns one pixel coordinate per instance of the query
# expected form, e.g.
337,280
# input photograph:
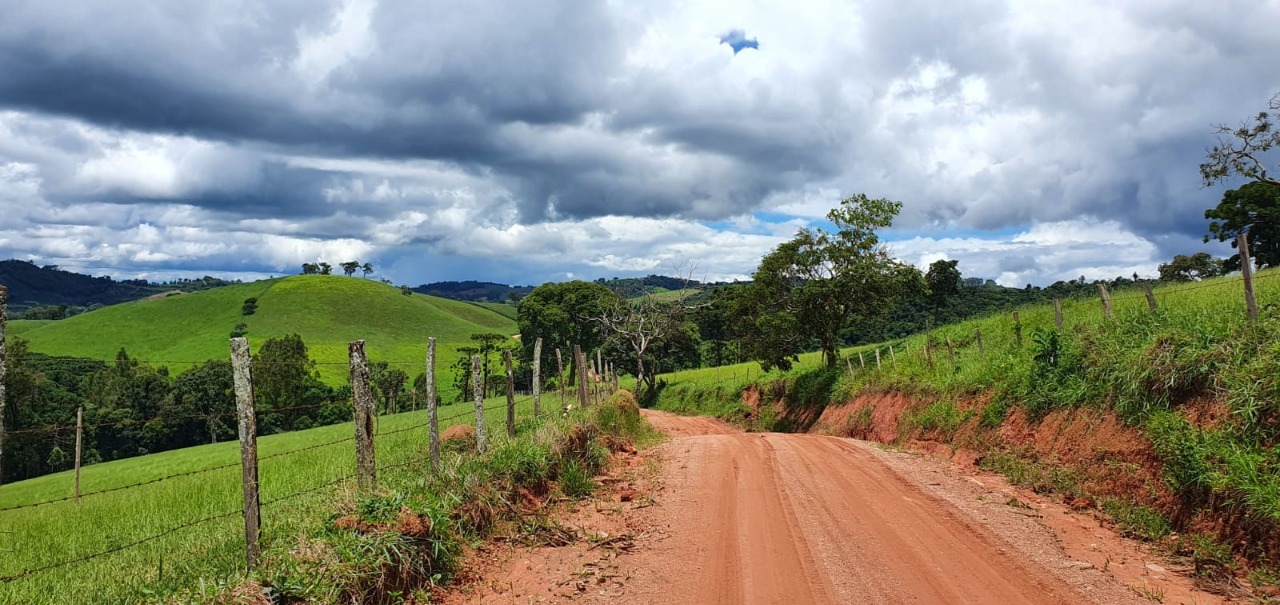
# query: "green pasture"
209,554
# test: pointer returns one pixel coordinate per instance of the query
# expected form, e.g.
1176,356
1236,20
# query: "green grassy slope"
327,311
211,552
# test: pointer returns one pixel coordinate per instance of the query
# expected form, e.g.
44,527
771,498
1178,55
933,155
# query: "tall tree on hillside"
325,268
561,314
205,395
283,377
1253,209
367,269
310,268
943,279
350,267
819,282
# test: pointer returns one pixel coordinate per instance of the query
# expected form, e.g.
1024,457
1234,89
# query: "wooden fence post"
537,377
893,357
847,361
1246,271
877,358
560,366
581,365
928,348
1017,329
248,430
862,362
1057,313
1151,296
433,420
4,318
477,389
977,334
79,443
951,352
362,401
617,382
1106,300
511,396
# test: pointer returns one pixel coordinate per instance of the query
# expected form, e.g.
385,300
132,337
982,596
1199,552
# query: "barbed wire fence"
364,439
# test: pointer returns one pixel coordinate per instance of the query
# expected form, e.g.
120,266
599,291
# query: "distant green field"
661,295
21,326
327,311
209,553
504,309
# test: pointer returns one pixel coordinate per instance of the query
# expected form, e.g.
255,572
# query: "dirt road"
807,519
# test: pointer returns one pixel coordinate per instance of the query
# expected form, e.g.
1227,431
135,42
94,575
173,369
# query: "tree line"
132,408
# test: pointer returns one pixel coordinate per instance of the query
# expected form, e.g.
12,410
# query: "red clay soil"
783,518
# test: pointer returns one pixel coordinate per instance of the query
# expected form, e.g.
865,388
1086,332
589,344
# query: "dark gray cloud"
375,126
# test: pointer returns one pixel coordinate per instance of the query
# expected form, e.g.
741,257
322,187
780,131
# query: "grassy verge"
209,553
404,541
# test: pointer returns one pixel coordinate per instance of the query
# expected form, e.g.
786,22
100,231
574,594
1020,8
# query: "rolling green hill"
327,311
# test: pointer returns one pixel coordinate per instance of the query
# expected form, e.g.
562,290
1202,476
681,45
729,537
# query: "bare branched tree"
639,323
1241,149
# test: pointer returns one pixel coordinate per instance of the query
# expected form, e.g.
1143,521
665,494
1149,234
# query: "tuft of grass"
1135,520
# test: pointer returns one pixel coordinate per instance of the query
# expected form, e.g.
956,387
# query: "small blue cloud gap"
738,40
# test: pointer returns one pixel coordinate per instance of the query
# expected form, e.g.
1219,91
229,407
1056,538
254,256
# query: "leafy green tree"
820,282
943,279
1185,268
325,268
462,373
367,269
562,315
1254,209
350,267
204,397
310,268
284,377
389,383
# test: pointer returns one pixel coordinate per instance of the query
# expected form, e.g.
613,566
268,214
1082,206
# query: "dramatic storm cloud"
527,141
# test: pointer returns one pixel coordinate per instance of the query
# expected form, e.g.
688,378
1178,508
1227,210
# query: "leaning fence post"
79,442
1057,313
847,361
477,389
433,420
862,362
1246,271
977,334
4,303
1151,296
362,401
511,396
1017,329
893,357
537,377
247,427
1106,300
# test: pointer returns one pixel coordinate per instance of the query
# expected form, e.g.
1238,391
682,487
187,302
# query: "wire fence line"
377,437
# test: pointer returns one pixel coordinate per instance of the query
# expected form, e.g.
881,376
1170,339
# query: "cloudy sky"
528,141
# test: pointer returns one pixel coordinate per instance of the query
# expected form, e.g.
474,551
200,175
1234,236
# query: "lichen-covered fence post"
1246,271
1057,313
1151,297
1106,301
247,427
537,377
362,400
433,421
